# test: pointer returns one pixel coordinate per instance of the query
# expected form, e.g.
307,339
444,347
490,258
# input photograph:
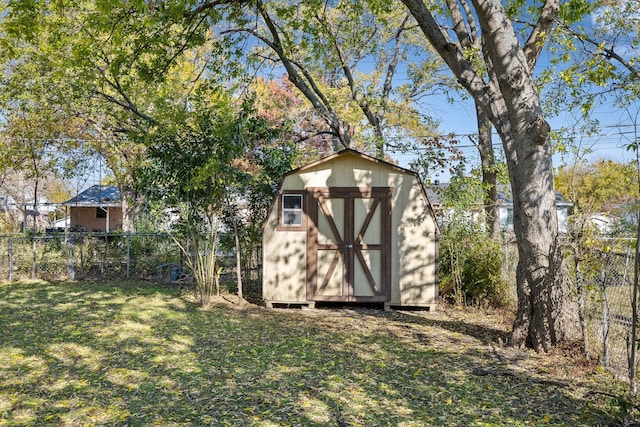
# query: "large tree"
111,64
217,162
355,63
351,63
509,97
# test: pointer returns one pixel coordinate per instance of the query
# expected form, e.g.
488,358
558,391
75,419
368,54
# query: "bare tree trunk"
580,251
238,265
489,173
34,260
580,290
34,247
236,236
547,314
35,205
547,311
132,205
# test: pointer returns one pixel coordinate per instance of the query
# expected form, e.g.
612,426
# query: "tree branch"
206,6
536,40
453,56
185,43
471,21
458,25
346,69
305,82
609,52
391,69
127,106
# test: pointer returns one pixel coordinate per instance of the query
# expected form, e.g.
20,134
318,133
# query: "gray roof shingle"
97,195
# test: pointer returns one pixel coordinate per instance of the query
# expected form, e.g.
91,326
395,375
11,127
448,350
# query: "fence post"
128,255
605,320
70,241
627,259
10,259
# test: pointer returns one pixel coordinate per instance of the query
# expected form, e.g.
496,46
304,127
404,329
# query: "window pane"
292,209
292,201
291,217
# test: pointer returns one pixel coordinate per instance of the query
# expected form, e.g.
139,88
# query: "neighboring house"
61,224
629,217
7,203
18,213
603,222
9,208
97,208
350,228
505,208
445,215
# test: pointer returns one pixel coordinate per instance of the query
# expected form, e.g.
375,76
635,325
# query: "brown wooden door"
348,245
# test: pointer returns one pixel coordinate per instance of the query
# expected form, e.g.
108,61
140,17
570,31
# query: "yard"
138,354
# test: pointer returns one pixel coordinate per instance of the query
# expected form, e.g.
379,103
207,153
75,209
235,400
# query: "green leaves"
602,186
575,11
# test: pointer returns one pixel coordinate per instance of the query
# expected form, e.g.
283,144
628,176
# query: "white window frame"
296,212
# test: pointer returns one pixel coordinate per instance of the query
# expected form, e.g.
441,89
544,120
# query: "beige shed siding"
347,171
413,232
285,262
415,237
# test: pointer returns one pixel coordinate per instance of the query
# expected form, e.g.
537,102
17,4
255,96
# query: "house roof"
98,196
504,195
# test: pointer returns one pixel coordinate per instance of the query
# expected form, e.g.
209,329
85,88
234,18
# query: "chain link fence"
608,283
88,256
607,278
608,308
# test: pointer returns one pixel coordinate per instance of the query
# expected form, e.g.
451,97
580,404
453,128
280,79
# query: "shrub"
470,266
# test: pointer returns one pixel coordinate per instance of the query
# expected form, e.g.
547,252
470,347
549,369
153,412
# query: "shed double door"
348,253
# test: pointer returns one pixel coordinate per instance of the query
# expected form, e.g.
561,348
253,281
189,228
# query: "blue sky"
616,131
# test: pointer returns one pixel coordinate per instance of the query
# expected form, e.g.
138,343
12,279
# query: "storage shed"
350,228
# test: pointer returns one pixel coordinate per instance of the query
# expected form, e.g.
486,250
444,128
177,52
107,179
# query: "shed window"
292,210
101,213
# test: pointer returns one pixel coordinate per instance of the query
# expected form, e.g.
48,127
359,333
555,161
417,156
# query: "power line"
595,139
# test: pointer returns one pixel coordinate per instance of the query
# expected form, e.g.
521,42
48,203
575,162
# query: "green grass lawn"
137,354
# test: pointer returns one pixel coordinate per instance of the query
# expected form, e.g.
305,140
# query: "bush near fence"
143,256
